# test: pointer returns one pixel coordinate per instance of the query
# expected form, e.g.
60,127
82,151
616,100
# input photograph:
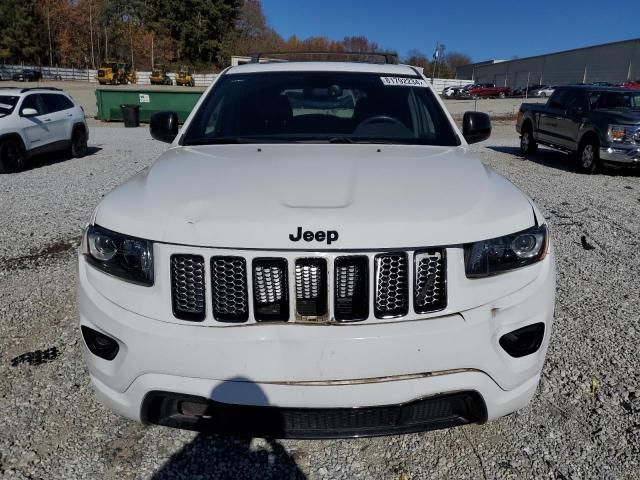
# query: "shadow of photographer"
227,455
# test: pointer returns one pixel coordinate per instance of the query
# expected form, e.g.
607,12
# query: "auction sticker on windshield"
404,82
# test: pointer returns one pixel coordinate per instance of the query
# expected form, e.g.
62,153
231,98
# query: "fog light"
524,341
99,344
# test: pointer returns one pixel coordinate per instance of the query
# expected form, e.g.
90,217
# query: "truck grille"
392,285
229,289
262,291
187,287
430,288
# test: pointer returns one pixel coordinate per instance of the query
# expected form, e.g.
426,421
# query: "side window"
34,101
576,100
56,103
558,100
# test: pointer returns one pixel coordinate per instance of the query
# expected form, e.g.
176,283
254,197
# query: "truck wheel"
528,145
13,156
588,158
501,95
78,143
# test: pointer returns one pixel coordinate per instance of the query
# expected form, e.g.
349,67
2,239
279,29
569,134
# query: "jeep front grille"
229,289
187,287
430,288
392,285
270,295
351,294
311,288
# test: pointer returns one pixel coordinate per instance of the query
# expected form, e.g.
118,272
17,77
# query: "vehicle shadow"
229,457
563,161
546,157
51,158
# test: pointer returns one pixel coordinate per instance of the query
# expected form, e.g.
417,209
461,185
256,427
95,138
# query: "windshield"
320,107
7,104
609,100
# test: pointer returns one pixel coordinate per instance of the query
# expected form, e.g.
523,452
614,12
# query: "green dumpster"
149,100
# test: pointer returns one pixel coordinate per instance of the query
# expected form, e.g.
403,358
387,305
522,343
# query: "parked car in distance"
357,300
39,120
489,90
27,75
635,84
599,124
542,92
526,91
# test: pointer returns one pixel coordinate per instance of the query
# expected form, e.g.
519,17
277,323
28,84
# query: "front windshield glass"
611,100
319,107
7,104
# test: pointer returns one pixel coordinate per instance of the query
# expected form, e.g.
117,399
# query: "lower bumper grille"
200,414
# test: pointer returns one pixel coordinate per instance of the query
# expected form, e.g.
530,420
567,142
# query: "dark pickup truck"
599,124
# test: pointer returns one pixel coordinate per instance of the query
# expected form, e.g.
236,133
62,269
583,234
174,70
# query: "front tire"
528,145
588,158
501,95
79,143
13,156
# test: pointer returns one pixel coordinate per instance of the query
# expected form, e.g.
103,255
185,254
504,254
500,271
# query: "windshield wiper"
340,140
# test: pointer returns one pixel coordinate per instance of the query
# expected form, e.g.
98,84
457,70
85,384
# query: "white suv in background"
318,254
39,120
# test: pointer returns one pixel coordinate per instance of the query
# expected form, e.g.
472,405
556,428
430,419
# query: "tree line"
201,34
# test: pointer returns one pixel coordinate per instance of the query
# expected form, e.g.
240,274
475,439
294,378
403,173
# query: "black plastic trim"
181,314
440,306
258,309
359,308
200,414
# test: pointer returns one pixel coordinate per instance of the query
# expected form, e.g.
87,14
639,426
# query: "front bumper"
626,156
321,367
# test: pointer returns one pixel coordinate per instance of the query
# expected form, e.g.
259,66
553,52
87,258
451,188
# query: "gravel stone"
583,423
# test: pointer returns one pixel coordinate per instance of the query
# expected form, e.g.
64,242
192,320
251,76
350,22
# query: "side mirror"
476,126
29,112
164,126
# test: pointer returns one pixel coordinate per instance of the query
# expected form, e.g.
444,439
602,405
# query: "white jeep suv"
39,120
318,254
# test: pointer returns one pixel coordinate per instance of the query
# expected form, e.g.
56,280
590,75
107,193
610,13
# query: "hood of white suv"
261,196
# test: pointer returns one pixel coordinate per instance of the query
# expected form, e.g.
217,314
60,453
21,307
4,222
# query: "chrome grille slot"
430,286
188,287
311,287
392,285
270,289
351,294
229,289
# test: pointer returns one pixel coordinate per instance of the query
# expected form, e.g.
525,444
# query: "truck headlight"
128,258
498,255
621,134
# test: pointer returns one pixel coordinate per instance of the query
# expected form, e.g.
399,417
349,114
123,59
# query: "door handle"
46,119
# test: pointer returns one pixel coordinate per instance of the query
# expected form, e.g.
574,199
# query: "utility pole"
93,58
49,29
152,39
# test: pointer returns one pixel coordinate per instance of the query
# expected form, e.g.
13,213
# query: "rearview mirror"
476,126
164,126
29,112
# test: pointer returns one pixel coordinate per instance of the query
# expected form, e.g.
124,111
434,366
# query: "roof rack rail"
390,58
26,89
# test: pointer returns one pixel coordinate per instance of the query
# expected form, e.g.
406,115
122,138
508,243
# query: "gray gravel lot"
584,422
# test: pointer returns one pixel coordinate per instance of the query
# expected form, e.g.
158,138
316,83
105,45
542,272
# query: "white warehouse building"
616,62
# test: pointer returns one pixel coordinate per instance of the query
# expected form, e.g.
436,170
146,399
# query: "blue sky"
483,29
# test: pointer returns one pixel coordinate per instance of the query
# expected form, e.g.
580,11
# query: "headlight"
498,255
119,255
621,134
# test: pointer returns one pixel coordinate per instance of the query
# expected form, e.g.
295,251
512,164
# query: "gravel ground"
584,422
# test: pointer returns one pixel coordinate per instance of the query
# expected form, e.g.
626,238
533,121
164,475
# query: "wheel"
78,143
543,95
13,156
528,145
501,95
588,158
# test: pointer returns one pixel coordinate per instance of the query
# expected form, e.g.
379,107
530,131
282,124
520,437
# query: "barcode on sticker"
404,82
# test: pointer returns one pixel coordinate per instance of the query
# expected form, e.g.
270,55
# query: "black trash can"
130,115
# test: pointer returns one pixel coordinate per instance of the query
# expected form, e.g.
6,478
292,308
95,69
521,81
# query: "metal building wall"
614,62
